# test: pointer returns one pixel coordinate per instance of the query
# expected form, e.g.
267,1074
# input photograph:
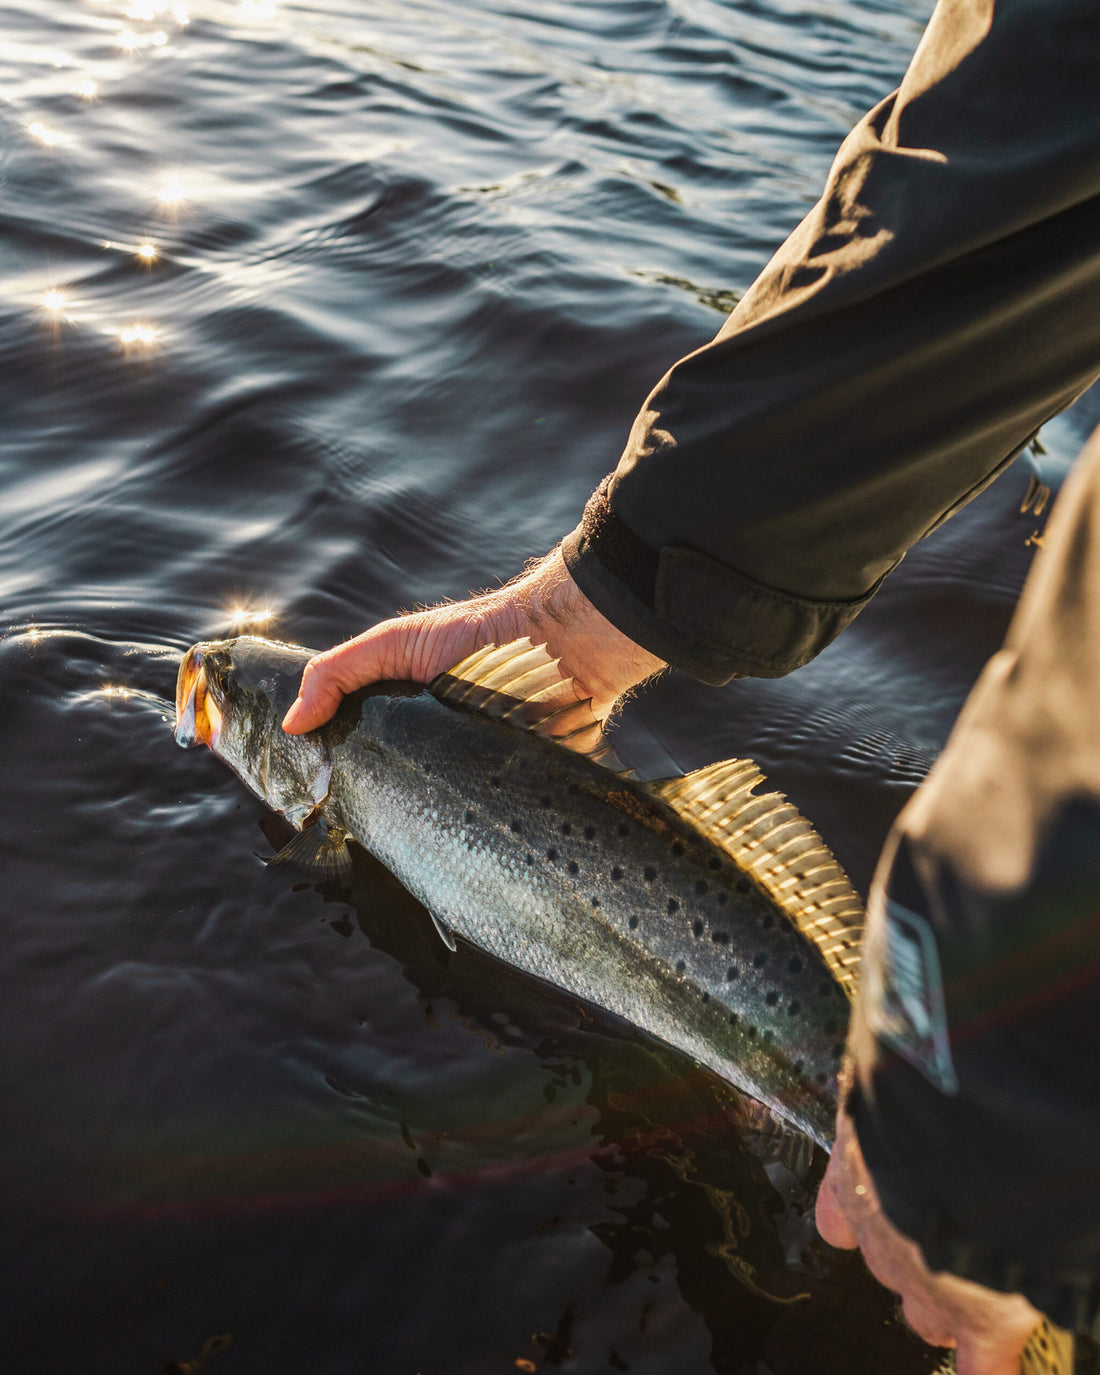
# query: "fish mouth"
198,719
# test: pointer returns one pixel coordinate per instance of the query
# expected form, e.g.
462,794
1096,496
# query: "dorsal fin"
773,842
521,684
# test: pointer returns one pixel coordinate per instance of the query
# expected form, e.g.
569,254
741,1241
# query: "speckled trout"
712,917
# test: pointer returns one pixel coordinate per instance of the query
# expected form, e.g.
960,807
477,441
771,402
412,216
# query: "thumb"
832,1222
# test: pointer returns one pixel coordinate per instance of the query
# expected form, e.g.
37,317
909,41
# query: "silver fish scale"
581,878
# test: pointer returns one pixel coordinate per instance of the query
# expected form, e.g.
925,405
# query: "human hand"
544,604
988,1328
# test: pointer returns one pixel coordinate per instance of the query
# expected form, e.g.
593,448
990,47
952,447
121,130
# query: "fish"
712,917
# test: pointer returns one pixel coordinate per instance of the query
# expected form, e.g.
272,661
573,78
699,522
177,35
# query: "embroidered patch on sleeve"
904,995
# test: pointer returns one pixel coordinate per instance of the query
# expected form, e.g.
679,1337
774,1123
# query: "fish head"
231,695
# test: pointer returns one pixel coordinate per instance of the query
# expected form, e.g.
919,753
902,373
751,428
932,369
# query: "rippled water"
310,311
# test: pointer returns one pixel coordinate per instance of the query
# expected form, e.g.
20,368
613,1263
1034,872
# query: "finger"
328,677
831,1220
981,1358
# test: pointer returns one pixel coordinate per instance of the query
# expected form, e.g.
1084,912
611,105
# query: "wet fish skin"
548,862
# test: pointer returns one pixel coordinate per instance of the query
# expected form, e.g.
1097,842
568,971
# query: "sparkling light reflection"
54,301
147,252
172,190
142,335
245,615
42,133
86,90
128,41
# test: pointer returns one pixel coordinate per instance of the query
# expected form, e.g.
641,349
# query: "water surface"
309,312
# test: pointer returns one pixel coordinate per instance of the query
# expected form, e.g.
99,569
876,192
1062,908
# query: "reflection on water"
309,312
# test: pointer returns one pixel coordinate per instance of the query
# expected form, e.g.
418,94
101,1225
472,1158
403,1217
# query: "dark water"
416,264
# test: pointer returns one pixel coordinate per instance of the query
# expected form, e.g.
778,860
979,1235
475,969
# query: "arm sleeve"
938,304
976,1039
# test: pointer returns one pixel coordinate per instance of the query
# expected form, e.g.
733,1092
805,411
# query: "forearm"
932,311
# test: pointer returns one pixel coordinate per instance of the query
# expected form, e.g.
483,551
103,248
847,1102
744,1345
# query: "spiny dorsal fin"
521,684
773,842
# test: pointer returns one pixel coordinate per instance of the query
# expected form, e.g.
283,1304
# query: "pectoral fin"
319,849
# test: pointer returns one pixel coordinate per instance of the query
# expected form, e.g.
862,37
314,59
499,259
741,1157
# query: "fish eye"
217,673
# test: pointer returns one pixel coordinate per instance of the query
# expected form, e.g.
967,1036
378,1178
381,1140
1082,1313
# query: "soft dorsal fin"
521,684
773,842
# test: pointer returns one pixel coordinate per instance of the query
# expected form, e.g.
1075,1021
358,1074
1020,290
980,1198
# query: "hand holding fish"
988,1329
544,604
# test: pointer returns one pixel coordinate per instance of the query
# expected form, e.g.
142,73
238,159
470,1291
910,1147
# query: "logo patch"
905,1006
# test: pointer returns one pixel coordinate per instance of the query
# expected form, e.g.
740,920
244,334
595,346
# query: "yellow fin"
774,844
521,684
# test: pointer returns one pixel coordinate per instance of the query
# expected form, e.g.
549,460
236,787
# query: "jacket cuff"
1070,1299
691,610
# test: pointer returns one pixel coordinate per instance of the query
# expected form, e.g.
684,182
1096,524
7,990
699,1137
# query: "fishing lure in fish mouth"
709,915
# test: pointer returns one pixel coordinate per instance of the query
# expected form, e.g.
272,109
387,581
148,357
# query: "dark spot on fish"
794,1007
720,937
546,802
701,886
633,922
822,1078
677,848
616,873
673,905
698,927
680,966
824,990
590,833
494,782
721,899
574,867
798,1067
743,885
771,997
733,1019
760,960
566,828
732,973
795,965
767,1035
714,862
551,853
623,828
838,1050
595,902
767,921
515,826
649,873
468,817
750,1031
529,857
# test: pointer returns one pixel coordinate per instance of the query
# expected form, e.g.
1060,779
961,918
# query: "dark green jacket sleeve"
975,1039
939,304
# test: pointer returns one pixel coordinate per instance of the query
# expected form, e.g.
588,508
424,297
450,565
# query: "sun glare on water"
138,335
45,134
250,616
